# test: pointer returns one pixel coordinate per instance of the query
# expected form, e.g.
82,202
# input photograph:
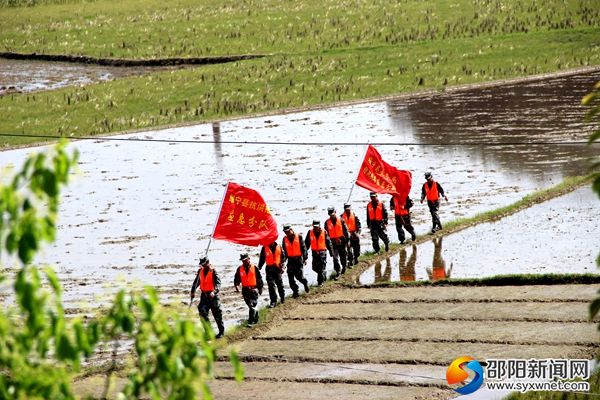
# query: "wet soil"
18,76
142,212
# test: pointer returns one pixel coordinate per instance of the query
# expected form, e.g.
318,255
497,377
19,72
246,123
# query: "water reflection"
216,130
438,269
387,273
531,241
407,268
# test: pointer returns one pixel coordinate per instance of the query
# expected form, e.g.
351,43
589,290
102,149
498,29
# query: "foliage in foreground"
40,349
592,100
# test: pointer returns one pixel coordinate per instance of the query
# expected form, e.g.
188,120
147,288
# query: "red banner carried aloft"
245,218
378,176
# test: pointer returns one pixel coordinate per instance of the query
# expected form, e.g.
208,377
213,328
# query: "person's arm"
392,204
259,282
441,191
307,240
368,220
303,249
344,229
237,280
423,192
217,282
283,256
195,285
262,258
358,225
328,243
384,214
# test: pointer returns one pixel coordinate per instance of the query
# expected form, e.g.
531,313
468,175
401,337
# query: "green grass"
183,28
322,52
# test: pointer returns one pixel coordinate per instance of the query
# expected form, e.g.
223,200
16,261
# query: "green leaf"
64,348
238,368
594,308
27,247
53,279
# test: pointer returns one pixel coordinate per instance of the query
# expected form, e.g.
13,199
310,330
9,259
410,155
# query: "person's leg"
375,239
399,229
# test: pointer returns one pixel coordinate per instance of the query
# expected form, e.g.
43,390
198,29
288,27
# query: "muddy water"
144,212
29,76
558,236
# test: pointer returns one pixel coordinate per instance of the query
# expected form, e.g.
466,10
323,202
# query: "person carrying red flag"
402,215
377,220
209,284
295,252
318,241
248,276
274,257
354,226
432,190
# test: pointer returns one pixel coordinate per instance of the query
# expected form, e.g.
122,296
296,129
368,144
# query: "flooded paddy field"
142,212
23,76
557,236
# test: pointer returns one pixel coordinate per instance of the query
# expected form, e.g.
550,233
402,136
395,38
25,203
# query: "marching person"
318,241
252,286
294,251
273,256
402,215
209,284
338,234
433,191
353,225
377,220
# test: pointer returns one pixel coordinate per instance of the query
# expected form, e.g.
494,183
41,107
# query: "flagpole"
353,182
216,220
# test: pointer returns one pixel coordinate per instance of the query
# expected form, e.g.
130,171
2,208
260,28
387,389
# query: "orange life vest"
292,249
248,279
273,258
377,214
432,192
207,283
399,208
317,244
350,221
335,231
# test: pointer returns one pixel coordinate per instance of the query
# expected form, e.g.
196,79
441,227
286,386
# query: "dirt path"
382,343
396,343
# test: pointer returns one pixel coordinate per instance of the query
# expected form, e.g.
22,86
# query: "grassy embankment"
321,52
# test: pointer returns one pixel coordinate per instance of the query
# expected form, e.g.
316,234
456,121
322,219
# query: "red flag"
245,218
379,176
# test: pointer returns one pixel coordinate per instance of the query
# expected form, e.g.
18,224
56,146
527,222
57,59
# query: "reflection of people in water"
387,274
438,269
407,269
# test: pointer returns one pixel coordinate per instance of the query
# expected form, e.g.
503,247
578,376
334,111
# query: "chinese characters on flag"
378,176
245,218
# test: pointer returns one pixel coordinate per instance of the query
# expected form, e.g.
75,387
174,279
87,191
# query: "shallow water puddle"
558,236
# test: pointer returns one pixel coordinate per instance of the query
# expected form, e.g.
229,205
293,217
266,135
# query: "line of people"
340,238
